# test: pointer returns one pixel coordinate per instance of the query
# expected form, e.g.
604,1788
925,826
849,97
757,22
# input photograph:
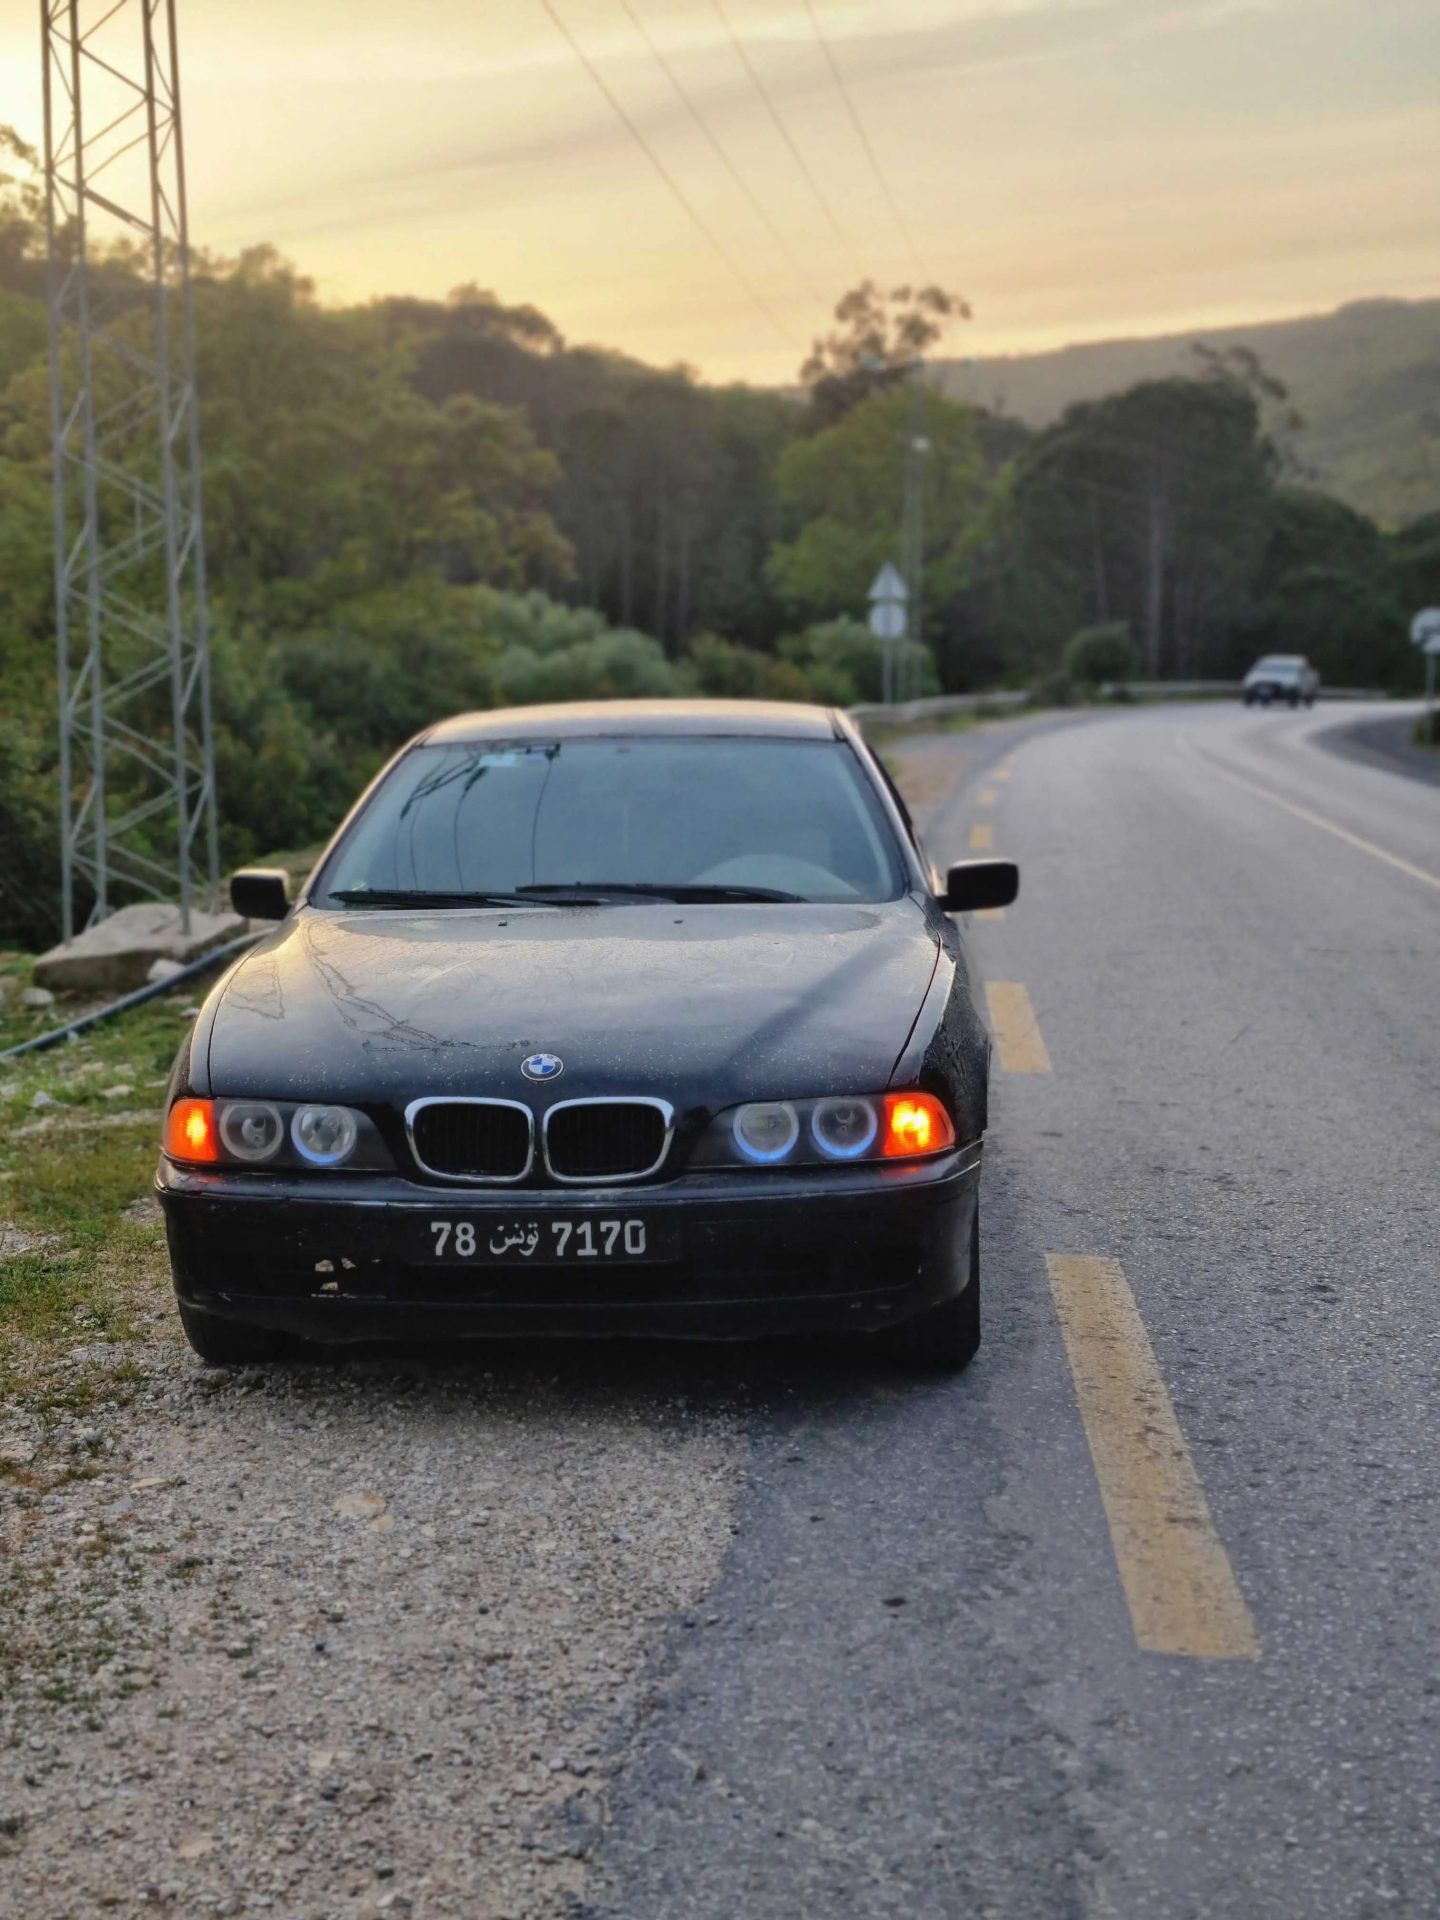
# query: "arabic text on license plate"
548,1240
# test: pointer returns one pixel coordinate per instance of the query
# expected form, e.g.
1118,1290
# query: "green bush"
538,624
618,665
844,658
718,669
1096,654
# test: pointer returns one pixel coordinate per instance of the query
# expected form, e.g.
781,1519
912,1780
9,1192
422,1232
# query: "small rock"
360,1506
43,1100
17,1454
118,1091
162,970
37,997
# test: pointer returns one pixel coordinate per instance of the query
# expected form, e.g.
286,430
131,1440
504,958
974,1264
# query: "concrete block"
117,955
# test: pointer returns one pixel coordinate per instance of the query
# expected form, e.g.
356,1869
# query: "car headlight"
844,1129
267,1135
766,1131
325,1136
835,1129
251,1130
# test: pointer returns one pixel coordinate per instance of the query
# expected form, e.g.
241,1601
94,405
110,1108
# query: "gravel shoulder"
338,1640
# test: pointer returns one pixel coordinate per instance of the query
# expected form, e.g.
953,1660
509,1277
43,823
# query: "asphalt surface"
917,1688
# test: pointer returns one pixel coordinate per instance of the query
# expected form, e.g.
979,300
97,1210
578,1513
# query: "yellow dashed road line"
1178,1581
1017,1032
987,796
982,838
990,913
1002,773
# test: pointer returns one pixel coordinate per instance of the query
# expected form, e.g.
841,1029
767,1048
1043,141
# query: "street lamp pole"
913,518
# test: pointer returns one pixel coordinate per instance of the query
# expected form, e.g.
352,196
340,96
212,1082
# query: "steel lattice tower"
137,767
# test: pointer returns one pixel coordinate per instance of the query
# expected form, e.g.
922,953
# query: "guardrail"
936,708
907,712
1198,689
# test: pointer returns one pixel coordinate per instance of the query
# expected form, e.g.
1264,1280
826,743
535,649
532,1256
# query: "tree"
878,341
1325,586
841,497
1151,506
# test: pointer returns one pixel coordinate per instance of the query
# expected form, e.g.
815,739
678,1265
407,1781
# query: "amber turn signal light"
915,1123
190,1132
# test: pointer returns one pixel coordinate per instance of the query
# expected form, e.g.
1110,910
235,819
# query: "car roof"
597,719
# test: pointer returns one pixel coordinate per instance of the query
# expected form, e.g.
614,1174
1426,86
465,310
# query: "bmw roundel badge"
542,1066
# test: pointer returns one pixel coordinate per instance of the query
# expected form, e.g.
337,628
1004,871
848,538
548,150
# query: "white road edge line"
1314,819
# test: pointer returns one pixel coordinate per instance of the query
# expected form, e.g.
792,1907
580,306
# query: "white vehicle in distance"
1281,676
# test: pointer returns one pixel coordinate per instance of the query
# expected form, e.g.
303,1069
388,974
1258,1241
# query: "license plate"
543,1240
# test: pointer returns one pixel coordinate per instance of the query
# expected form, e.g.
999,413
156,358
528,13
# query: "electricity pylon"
137,767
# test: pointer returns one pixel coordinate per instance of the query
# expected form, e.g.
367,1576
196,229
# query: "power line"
864,138
757,81
703,124
722,251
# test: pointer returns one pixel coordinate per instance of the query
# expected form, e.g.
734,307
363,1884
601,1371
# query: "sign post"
1425,632
888,620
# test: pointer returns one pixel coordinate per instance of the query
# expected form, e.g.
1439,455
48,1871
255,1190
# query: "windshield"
794,818
1278,663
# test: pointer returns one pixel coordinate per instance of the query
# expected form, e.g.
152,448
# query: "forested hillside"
1365,381
418,506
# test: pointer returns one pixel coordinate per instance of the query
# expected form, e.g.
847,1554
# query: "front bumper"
331,1258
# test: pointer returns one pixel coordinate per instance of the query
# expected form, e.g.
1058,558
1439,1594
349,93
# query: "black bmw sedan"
636,1018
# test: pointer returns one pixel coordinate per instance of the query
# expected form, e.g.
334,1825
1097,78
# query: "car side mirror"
260,893
974,885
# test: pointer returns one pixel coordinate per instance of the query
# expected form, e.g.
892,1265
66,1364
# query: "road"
922,1689
1138,1619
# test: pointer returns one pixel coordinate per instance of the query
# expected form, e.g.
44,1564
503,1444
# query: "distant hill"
1366,380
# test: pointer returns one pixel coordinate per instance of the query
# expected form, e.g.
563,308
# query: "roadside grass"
79,1127
81,1245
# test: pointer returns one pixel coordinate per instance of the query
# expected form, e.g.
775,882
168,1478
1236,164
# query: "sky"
1078,169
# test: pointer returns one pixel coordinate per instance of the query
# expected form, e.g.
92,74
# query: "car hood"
700,1005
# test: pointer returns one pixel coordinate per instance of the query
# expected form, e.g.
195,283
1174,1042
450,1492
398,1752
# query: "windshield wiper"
415,897
696,894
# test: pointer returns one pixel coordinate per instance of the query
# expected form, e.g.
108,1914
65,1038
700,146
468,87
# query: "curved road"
1141,1616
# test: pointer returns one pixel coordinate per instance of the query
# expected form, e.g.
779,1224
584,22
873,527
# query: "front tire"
228,1343
945,1339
